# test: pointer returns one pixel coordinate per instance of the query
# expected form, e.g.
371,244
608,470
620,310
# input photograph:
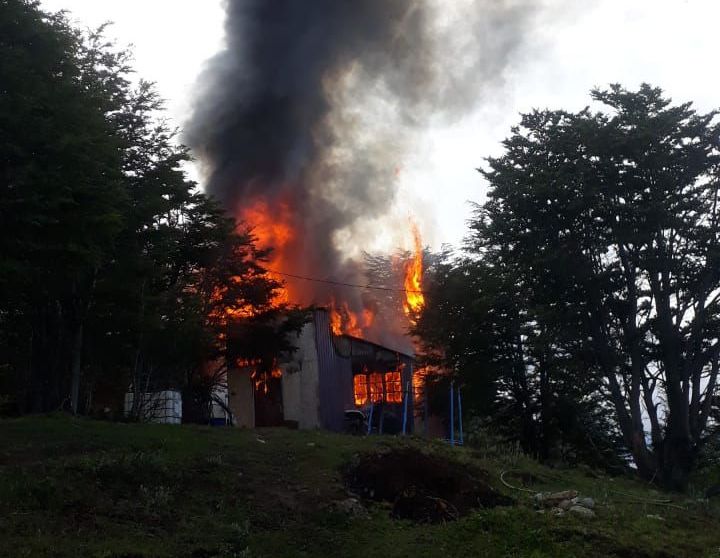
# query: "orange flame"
335,321
345,321
414,298
419,380
368,317
272,226
261,380
376,387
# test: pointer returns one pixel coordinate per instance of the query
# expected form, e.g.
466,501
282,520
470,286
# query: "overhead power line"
341,284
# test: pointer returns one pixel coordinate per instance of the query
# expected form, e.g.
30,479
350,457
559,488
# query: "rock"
656,517
566,504
351,507
582,511
553,499
588,503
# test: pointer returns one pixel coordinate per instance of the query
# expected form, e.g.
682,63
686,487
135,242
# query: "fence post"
460,415
452,413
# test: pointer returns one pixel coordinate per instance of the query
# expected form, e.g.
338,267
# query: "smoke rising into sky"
406,110
315,105
562,50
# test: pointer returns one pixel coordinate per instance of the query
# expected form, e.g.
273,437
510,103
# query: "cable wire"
341,284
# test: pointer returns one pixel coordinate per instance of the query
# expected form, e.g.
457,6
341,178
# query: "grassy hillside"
82,488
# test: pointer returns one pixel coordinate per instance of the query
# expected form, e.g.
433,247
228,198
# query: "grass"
75,488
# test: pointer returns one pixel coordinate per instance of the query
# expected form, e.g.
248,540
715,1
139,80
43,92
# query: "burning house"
302,124
329,376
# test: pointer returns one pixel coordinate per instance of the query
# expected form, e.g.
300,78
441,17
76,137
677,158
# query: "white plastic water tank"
160,406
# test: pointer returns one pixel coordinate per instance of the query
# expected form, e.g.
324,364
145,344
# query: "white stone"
582,511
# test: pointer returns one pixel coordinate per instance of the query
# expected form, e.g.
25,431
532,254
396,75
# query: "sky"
574,46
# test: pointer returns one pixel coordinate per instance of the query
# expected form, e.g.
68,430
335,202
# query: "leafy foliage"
116,270
601,233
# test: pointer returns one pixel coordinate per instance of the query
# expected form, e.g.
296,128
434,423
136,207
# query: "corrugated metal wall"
335,371
334,376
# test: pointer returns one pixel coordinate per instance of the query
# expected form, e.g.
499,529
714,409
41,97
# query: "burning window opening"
361,390
260,378
393,387
375,381
377,388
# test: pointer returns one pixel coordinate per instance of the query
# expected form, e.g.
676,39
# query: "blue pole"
460,415
452,413
405,406
372,406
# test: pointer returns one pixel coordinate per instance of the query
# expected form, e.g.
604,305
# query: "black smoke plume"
313,104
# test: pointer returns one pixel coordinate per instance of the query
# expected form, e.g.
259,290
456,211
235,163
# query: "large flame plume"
302,121
414,297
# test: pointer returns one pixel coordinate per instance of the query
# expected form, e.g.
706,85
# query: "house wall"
300,382
241,399
334,376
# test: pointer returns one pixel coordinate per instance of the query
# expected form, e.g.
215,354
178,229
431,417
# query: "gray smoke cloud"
313,105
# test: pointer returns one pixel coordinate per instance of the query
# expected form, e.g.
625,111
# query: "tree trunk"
678,461
76,367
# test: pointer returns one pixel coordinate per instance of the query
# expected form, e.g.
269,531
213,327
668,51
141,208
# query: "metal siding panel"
334,375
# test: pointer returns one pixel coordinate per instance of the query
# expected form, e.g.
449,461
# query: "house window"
393,387
376,387
361,389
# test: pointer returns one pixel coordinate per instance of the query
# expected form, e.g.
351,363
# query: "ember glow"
414,298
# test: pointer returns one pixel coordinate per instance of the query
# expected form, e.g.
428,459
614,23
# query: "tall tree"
108,249
611,220
478,326
61,197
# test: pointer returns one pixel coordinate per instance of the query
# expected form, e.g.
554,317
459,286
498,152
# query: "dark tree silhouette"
610,222
111,258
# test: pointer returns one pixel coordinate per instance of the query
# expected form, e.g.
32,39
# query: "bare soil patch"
422,487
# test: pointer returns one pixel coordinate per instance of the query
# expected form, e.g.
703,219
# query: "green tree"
115,267
611,222
61,198
478,326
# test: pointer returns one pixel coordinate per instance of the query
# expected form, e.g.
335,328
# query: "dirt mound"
422,487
